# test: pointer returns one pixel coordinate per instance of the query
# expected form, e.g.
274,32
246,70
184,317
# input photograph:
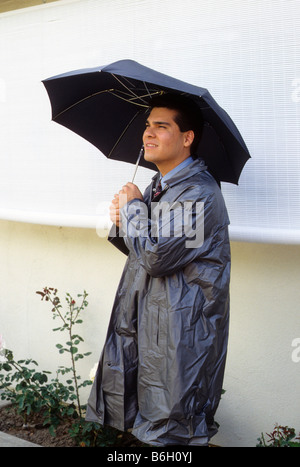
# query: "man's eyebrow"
157,122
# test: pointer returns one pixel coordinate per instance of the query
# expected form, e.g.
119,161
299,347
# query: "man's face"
165,145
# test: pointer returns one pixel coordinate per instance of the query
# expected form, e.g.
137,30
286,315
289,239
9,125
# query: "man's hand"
114,211
126,194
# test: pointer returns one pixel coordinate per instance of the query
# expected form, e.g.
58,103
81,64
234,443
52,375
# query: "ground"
13,424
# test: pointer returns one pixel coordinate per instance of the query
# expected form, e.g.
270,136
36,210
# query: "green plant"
69,319
28,388
57,399
22,385
30,391
281,437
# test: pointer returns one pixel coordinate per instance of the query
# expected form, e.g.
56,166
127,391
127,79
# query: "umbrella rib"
82,100
128,89
122,134
149,94
129,100
113,92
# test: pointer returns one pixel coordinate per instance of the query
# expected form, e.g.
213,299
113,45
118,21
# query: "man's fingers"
114,212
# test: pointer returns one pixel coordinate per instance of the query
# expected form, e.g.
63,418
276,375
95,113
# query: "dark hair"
188,116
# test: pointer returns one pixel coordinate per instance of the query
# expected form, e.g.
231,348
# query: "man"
161,369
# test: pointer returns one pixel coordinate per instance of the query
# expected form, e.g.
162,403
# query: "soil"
13,424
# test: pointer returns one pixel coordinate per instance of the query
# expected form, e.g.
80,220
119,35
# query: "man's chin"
149,158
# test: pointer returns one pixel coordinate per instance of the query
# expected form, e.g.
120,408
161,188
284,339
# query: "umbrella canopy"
108,106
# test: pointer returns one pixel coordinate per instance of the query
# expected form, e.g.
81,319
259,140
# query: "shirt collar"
164,180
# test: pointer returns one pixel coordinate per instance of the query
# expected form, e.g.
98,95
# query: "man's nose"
149,132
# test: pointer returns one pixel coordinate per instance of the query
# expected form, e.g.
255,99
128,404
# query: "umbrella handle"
137,163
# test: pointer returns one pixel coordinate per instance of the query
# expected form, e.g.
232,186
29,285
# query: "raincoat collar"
198,165
164,180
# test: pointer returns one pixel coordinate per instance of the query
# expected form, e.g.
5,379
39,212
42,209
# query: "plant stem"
73,362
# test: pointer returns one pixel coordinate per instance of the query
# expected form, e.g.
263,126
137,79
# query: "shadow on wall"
9,5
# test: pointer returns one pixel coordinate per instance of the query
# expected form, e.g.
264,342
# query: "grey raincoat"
162,366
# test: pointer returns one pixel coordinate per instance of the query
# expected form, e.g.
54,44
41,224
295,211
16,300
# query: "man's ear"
189,138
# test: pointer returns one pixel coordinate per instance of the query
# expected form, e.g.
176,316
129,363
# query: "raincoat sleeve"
116,240
175,233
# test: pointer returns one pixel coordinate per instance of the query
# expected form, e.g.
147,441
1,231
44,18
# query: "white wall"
71,260
246,53
261,382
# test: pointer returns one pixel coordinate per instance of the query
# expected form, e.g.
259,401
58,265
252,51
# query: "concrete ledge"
8,441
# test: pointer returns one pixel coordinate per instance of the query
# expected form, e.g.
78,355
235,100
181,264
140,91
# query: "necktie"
157,191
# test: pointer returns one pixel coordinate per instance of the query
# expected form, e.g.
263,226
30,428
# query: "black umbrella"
108,107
